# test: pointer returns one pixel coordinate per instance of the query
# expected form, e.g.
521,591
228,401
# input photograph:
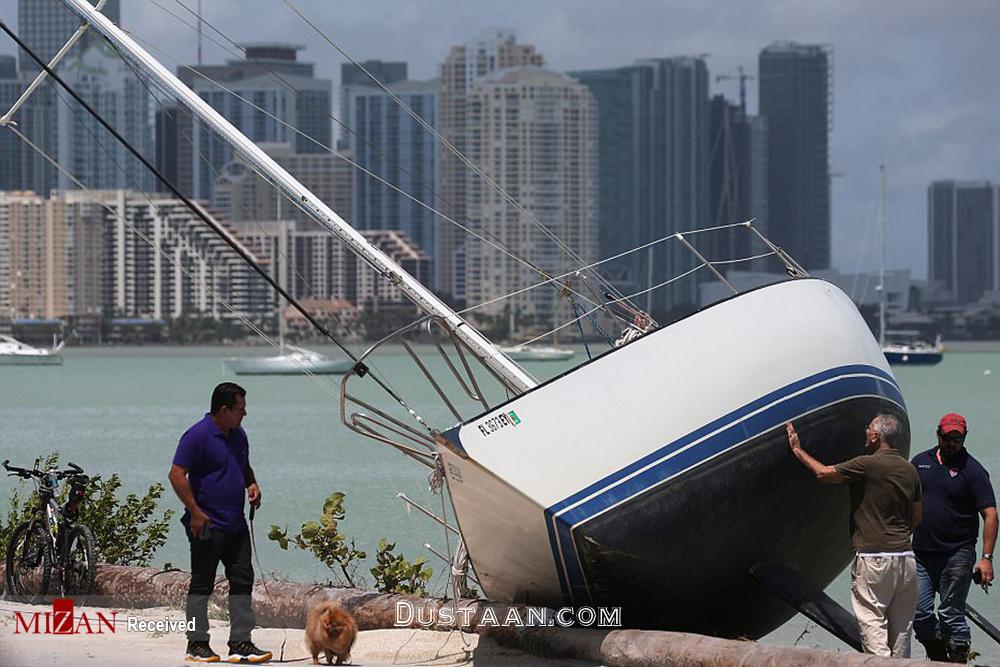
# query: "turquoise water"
122,410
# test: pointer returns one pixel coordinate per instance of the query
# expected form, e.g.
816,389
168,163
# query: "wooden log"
649,648
285,604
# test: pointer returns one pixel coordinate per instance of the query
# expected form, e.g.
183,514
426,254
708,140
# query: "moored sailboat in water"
15,353
901,347
654,476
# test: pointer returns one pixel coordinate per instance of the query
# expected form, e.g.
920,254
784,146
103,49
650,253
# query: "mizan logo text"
63,621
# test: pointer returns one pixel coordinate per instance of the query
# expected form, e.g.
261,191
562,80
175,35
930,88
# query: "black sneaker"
245,651
201,652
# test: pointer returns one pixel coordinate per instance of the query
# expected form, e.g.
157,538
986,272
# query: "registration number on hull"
498,422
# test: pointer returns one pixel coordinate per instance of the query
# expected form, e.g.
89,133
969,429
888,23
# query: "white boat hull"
15,353
656,475
46,359
528,353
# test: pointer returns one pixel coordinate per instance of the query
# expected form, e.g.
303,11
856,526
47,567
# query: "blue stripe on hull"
913,358
775,408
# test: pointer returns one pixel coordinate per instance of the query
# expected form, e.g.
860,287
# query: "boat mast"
281,265
422,297
881,265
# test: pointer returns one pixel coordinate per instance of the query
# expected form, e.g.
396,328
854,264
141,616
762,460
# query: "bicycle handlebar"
28,474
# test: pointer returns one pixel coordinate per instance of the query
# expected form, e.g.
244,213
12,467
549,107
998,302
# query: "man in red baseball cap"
956,491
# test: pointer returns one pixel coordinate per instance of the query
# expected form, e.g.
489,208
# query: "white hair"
888,428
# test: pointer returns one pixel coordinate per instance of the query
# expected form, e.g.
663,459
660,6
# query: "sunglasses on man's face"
954,437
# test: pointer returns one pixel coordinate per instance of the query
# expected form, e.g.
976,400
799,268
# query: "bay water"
122,410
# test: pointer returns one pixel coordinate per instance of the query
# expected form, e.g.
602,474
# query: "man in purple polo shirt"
210,474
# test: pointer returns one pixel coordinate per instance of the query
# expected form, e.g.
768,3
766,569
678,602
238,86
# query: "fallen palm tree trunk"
285,604
277,603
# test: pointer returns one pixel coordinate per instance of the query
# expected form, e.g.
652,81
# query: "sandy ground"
149,649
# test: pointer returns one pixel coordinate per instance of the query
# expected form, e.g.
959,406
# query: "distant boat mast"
881,265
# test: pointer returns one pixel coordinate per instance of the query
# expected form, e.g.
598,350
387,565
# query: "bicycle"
52,536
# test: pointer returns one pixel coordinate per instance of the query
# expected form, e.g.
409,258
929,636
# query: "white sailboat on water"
901,347
532,352
15,353
655,477
291,359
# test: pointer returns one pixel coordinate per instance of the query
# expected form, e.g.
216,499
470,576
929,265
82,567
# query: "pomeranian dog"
330,630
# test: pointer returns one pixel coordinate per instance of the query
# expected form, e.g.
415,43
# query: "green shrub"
325,541
392,572
125,531
395,574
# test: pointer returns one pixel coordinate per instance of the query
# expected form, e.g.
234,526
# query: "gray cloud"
915,80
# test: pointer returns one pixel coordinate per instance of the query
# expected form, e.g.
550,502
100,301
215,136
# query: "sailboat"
904,347
538,353
529,352
15,353
291,359
655,477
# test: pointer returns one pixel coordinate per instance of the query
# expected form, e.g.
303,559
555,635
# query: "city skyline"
910,81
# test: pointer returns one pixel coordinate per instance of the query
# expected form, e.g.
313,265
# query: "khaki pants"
884,597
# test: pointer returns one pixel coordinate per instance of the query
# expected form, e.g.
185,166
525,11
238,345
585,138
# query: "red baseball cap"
952,422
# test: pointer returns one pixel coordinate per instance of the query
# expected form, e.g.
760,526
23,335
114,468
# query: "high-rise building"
8,67
963,237
390,144
352,75
34,274
383,71
284,103
6,305
45,28
11,169
45,25
534,133
313,264
118,253
737,182
241,194
88,151
672,154
489,51
652,173
617,177
54,257
796,99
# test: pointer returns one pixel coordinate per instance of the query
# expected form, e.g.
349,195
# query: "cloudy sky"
915,81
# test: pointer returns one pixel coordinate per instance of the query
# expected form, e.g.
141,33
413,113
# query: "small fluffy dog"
330,630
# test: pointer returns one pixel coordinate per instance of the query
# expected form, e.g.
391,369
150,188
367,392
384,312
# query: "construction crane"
743,77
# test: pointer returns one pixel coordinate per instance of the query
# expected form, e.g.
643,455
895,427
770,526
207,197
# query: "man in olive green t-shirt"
885,510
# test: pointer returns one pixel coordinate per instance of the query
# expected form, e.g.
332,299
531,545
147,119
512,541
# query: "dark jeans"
233,549
948,575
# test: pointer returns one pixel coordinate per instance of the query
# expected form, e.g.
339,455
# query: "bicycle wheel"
79,567
28,563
